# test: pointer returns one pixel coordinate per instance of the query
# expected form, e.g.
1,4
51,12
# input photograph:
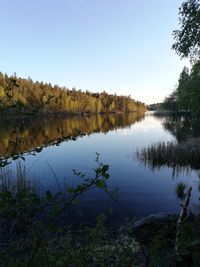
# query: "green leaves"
186,97
100,184
180,190
49,196
70,190
21,208
187,37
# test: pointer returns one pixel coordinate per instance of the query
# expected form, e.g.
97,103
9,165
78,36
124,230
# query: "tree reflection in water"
182,154
37,134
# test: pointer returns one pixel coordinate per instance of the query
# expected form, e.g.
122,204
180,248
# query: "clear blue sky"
121,46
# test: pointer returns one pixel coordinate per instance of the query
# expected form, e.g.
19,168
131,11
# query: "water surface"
117,138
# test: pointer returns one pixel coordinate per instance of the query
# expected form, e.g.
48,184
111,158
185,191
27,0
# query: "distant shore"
63,114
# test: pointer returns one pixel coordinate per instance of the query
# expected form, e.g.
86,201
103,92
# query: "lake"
72,143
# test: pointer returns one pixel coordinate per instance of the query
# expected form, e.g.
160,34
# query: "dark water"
117,138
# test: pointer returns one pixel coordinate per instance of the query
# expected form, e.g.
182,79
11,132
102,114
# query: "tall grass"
16,181
184,155
19,202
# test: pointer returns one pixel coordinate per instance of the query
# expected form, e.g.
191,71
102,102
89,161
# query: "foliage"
8,104
180,190
189,253
13,90
186,97
179,156
42,241
170,102
19,203
156,106
31,219
187,38
25,95
76,247
20,208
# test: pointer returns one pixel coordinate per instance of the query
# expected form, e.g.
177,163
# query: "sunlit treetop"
187,38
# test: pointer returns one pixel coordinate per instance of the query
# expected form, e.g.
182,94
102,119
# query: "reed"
184,155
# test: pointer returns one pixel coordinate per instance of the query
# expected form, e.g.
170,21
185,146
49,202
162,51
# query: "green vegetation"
186,97
180,190
18,96
156,106
183,239
34,229
187,38
184,155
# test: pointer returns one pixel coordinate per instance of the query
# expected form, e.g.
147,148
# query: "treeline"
155,106
18,94
186,97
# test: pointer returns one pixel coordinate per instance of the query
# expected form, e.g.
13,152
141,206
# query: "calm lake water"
117,138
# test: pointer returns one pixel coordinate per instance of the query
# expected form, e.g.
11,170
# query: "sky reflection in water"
142,190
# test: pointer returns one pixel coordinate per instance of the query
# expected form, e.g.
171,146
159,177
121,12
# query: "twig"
182,217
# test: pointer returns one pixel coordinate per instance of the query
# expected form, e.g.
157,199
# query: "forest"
20,95
37,206
186,96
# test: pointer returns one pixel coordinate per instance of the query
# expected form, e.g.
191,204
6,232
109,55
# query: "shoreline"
64,114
